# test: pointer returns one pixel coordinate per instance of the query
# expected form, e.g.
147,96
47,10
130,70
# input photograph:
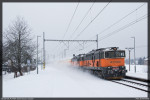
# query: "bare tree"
19,45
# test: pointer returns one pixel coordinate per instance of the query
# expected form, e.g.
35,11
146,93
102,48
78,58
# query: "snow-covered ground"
141,71
61,80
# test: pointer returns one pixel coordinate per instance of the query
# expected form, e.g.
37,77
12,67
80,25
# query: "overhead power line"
82,19
120,19
71,20
122,28
93,19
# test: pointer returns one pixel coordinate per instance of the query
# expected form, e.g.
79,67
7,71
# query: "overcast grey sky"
53,19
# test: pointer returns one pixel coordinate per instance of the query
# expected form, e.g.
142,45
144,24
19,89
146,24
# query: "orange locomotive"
107,63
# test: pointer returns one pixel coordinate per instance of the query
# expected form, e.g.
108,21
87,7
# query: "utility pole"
37,54
134,55
41,59
43,50
129,49
45,57
97,41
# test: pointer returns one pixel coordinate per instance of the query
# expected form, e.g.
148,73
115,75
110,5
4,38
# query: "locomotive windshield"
114,54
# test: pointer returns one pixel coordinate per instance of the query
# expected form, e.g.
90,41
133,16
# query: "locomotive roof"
80,55
108,48
104,49
99,50
113,50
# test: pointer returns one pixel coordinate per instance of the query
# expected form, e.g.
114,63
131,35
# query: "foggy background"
54,18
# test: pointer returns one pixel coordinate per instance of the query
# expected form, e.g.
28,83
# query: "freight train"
107,63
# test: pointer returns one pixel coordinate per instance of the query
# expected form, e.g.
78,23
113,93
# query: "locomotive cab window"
120,54
102,55
114,54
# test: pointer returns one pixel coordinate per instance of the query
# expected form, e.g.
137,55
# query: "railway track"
140,85
138,79
133,84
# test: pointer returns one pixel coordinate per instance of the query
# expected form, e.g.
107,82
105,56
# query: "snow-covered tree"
18,45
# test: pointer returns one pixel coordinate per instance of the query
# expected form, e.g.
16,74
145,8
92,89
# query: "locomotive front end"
114,64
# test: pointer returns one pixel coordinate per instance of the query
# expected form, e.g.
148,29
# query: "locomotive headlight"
123,71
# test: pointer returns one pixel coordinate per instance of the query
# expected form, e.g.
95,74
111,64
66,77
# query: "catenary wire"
71,20
83,19
120,19
122,28
93,20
